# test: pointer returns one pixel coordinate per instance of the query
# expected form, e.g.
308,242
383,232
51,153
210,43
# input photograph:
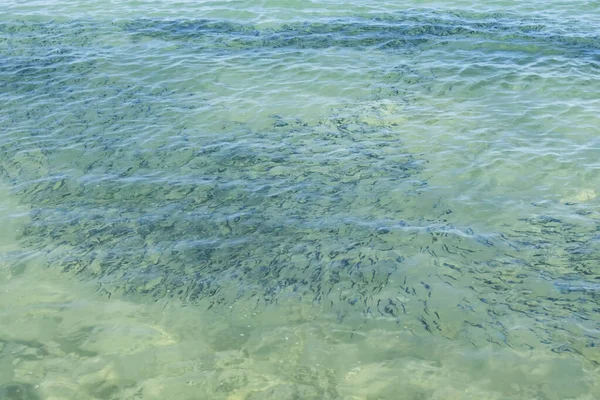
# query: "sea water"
299,200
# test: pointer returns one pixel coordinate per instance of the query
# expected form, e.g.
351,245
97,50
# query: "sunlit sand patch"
584,195
130,338
312,358
385,112
60,387
366,379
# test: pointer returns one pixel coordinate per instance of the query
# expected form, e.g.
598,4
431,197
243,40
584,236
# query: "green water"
291,200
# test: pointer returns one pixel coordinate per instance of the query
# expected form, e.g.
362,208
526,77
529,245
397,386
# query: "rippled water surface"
299,200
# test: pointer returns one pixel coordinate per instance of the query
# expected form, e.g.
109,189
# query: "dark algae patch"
129,189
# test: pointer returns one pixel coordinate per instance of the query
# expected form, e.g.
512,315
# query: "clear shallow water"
264,200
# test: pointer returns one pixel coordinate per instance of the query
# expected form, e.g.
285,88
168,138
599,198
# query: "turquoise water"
292,200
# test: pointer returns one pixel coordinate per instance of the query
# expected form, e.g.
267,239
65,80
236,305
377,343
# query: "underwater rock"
18,391
280,391
100,378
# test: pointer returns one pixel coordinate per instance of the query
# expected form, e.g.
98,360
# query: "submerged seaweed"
259,216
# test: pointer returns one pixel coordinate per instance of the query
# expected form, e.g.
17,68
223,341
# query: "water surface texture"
292,200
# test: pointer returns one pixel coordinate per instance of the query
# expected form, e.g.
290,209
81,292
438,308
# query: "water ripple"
435,170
